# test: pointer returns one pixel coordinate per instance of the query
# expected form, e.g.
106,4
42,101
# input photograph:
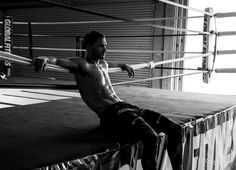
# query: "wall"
120,36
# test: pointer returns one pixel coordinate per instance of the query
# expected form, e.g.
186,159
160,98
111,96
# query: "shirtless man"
128,122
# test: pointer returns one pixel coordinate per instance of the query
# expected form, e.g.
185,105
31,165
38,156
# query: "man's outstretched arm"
124,67
40,63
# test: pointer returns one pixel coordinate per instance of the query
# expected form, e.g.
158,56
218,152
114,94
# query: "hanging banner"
7,33
210,142
7,43
207,61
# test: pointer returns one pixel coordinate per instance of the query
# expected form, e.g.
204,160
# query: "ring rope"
112,36
50,49
219,52
151,64
87,11
222,52
180,68
216,70
218,15
157,78
150,51
119,18
177,29
109,51
105,21
225,15
10,57
186,7
27,61
226,33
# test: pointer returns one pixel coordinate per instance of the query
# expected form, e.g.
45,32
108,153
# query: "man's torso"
94,85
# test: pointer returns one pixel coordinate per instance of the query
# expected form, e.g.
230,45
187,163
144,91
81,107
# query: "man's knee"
159,123
146,133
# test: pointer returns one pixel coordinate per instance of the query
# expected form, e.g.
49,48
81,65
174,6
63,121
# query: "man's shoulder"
81,63
78,60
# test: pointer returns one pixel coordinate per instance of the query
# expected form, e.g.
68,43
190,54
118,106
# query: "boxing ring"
54,129
48,126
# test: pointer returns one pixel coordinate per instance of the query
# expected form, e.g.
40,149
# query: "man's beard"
101,56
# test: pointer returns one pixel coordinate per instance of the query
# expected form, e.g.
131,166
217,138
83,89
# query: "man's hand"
40,64
126,67
2,76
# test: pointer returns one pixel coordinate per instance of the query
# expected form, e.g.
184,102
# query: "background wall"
69,32
120,36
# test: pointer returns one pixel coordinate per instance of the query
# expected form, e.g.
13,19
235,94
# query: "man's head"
91,37
95,44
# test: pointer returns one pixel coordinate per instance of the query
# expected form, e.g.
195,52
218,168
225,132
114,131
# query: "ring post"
30,40
207,61
7,43
79,47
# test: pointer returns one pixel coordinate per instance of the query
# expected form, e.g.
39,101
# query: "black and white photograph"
117,85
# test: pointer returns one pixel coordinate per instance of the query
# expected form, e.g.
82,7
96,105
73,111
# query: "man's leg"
128,127
136,128
174,134
124,121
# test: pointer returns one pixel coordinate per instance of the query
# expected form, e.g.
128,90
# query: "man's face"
99,49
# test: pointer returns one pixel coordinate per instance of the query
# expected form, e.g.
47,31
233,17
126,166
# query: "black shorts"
111,113
117,126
